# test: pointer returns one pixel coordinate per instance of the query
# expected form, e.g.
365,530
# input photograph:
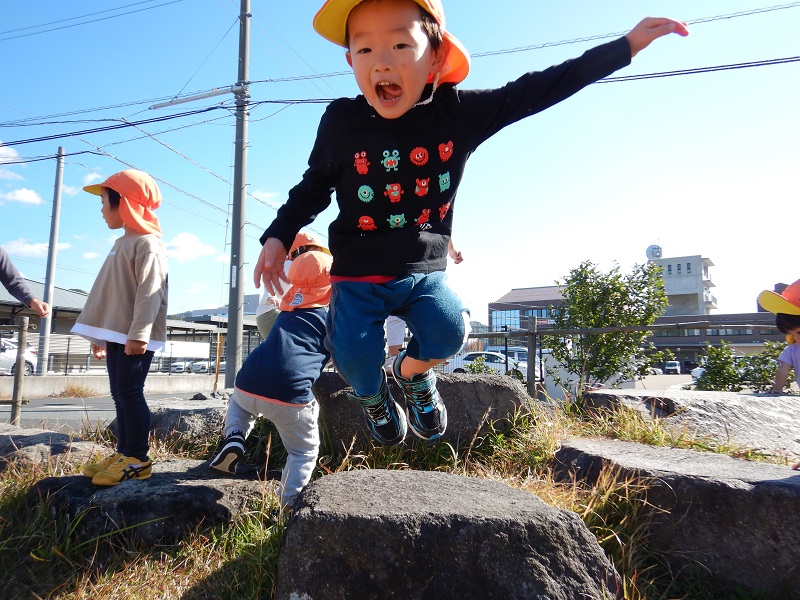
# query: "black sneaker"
427,414
230,453
386,420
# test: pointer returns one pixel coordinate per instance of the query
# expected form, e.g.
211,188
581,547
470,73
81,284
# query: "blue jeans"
436,318
126,375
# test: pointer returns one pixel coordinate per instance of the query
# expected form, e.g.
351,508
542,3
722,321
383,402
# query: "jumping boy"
395,156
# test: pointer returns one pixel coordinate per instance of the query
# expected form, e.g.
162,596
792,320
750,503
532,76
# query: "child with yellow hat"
786,308
396,155
276,378
125,316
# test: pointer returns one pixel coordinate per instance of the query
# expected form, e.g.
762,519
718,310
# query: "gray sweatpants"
297,426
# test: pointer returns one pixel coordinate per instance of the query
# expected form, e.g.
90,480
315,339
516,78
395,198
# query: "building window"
679,268
669,269
688,267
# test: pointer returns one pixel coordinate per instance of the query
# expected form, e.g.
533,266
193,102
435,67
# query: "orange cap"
139,197
310,276
331,23
303,242
787,302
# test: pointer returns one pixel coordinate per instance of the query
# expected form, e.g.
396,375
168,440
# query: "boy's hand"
652,28
269,266
134,347
98,352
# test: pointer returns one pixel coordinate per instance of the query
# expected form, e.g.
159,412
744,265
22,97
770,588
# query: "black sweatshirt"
396,179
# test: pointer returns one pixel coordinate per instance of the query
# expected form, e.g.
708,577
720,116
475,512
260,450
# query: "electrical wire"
14,37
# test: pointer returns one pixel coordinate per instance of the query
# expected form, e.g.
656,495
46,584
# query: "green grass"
42,557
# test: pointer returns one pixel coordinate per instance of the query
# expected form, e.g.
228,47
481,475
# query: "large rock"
736,520
471,401
376,534
180,495
39,446
762,422
194,419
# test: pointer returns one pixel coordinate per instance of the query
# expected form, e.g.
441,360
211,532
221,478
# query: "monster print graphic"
446,151
443,211
419,156
391,160
365,193
444,182
422,187
397,221
394,192
361,163
422,219
366,223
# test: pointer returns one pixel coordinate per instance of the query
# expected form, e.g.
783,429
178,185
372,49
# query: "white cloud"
262,195
8,154
70,190
196,289
187,247
23,195
90,255
21,247
91,178
10,175
223,258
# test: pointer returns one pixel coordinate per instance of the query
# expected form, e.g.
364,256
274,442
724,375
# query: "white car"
181,366
672,367
697,372
493,360
202,366
8,358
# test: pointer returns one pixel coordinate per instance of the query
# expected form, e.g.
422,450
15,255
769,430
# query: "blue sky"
699,164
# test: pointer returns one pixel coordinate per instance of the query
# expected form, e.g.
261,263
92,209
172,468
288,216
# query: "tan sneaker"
125,467
93,469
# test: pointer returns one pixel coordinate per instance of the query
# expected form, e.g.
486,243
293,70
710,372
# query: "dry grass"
75,390
43,558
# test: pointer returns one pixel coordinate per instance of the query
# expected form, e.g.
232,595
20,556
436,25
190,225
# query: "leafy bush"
726,373
721,373
759,369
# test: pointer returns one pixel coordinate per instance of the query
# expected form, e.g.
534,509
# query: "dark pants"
126,375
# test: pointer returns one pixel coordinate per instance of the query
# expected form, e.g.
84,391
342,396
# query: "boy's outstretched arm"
652,28
269,266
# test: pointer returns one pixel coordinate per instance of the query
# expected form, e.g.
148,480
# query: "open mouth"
387,91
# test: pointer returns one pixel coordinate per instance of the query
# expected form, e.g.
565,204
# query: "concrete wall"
156,383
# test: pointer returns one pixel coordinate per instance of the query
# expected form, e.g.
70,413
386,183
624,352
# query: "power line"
122,125
732,67
14,37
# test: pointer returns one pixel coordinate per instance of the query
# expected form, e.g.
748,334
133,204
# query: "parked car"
181,366
672,367
8,358
655,371
202,366
494,360
697,373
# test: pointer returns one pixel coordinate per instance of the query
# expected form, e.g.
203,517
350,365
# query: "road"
70,414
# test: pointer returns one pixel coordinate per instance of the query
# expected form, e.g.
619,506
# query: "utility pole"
49,281
233,354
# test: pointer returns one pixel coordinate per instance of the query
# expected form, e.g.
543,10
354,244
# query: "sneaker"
125,467
386,420
93,469
427,415
230,452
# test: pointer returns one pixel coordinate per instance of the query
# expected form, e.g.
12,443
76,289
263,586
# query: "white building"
687,284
